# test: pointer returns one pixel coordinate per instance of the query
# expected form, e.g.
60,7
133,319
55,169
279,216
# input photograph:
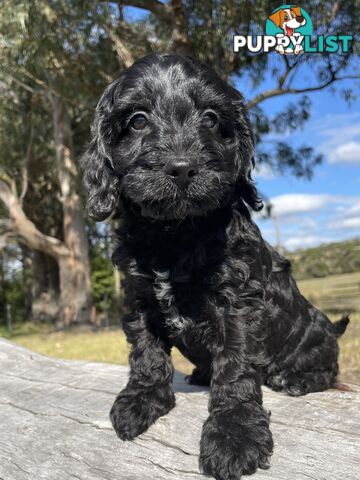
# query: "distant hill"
327,259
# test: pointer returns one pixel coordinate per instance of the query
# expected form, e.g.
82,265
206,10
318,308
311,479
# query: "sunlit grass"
110,345
350,351
107,346
336,293
339,294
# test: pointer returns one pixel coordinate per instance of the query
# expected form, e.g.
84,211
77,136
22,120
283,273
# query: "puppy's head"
172,138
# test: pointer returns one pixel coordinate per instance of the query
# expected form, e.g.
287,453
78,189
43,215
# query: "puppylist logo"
288,30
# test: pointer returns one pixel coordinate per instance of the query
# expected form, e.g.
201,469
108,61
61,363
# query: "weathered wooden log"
54,425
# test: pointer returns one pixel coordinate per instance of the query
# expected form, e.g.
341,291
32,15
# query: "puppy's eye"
138,121
210,119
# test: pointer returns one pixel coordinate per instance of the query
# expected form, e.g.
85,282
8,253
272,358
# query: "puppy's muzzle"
181,172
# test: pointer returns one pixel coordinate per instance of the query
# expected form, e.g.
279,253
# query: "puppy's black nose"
181,172
300,18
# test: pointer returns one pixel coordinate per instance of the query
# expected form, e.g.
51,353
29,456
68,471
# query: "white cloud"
264,171
308,223
292,203
352,211
346,153
308,220
331,120
352,223
347,215
349,223
342,134
293,243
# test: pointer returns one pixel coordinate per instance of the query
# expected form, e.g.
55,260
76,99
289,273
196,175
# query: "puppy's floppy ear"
277,18
245,147
100,179
297,11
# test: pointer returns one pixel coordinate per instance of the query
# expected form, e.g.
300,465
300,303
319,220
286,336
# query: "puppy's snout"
300,18
181,172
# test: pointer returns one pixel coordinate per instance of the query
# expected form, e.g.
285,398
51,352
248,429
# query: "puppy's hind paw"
301,383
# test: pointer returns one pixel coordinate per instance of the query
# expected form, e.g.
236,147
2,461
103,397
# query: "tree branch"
122,51
24,228
37,80
24,170
180,40
19,82
173,13
275,92
4,240
46,89
5,232
334,11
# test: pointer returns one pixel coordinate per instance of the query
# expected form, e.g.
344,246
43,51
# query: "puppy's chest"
180,297
181,285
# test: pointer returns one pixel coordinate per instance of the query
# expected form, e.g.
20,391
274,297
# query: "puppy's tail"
340,325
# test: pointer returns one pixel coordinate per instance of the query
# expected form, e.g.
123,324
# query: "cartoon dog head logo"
291,21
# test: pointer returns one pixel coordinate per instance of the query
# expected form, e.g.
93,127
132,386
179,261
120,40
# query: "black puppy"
173,144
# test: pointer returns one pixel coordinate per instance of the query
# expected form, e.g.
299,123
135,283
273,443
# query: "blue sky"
327,208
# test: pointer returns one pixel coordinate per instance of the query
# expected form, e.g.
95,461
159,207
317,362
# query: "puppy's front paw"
135,409
236,442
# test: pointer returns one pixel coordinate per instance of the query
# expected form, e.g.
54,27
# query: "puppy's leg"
148,394
319,369
301,383
236,438
311,365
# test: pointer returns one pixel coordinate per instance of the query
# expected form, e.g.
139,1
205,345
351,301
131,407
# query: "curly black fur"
199,276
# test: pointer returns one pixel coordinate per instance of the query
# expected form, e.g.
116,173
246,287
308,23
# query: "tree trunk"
180,39
75,285
75,296
26,260
45,287
74,271
2,287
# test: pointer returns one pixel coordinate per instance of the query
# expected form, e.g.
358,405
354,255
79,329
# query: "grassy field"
335,294
108,345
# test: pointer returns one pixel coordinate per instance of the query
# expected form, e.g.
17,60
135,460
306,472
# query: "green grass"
334,294
338,294
107,346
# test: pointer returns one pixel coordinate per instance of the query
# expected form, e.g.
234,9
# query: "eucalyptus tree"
56,58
